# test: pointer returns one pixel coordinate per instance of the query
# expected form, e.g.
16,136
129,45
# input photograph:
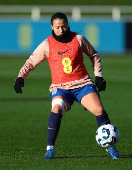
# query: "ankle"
50,147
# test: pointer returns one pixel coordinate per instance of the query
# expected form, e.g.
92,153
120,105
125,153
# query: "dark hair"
59,15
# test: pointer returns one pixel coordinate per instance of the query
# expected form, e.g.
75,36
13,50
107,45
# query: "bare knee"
99,111
57,109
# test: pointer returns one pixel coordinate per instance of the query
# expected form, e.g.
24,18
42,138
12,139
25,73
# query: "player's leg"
59,106
89,98
92,103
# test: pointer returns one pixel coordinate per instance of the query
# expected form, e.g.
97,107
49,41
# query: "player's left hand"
100,83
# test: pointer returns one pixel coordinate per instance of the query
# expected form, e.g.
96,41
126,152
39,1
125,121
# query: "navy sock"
103,119
54,122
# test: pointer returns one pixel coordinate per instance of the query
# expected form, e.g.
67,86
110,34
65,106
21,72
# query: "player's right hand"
18,84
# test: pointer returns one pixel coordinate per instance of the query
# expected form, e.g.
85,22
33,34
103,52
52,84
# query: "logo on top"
63,52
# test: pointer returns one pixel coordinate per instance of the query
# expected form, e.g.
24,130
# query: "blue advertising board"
22,36
106,36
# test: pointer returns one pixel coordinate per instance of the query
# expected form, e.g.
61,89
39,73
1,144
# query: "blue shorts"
74,94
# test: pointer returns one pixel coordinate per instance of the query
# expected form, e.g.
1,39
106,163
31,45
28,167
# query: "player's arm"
89,50
38,56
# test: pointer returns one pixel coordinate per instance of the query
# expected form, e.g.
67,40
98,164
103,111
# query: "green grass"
68,2
23,120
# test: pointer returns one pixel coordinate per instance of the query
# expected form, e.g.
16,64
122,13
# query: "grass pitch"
23,120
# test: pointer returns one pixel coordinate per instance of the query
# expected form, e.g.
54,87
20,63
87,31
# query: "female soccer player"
70,79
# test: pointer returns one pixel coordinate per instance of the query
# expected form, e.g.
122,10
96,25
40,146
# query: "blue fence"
22,36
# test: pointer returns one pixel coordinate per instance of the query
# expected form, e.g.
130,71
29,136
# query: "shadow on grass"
126,156
24,99
93,156
83,157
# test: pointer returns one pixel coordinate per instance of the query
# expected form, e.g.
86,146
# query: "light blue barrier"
22,36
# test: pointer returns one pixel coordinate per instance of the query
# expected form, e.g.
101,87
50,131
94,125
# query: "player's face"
60,26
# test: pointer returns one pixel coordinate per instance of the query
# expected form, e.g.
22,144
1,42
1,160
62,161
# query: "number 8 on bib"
67,65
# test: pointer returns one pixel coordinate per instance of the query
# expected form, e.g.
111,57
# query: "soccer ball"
107,135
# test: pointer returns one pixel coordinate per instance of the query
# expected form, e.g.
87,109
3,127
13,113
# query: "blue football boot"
49,154
113,152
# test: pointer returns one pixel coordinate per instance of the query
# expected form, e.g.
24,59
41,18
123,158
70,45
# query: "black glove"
18,84
100,83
